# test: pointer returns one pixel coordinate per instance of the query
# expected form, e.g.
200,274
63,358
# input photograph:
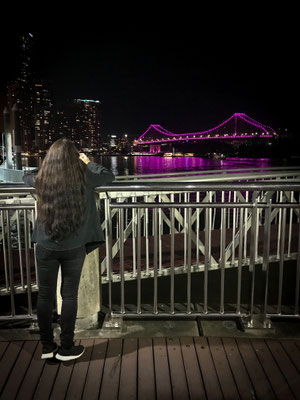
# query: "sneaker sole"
68,358
49,355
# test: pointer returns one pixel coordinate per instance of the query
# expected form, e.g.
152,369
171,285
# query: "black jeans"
48,262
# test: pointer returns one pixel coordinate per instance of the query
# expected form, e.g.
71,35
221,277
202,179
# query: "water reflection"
140,165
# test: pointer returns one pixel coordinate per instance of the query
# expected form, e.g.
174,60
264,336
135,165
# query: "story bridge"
236,128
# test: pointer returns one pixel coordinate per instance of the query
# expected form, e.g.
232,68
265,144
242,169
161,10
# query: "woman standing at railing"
67,228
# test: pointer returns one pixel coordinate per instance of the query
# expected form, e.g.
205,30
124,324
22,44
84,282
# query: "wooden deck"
155,368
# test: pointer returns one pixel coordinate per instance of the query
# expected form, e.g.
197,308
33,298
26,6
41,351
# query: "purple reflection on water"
157,165
143,165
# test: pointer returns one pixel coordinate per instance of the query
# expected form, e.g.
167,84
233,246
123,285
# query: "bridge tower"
155,148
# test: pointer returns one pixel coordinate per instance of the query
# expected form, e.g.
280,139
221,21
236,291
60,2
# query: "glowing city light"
87,101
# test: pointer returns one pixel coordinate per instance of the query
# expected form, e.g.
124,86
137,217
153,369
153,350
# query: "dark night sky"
183,80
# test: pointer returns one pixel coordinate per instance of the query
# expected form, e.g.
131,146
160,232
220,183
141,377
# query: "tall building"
43,116
26,51
62,126
34,99
20,92
86,123
40,124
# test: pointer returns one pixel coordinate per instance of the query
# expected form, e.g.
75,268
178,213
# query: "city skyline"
183,82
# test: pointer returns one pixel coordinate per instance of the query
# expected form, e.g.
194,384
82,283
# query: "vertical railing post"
5,257
265,267
252,262
189,259
138,263
109,251
281,260
134,211
172,262
253,244
121,239
155,260
160,234
27,263
10,266
222,258
147,236
207,255
240,261
20,248
297,286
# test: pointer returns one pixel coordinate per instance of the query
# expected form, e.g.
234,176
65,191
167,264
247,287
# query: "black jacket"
90,233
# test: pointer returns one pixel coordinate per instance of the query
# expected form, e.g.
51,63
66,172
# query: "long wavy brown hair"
60,189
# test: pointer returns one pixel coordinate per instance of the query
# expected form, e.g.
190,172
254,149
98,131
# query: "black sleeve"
29,177
98,175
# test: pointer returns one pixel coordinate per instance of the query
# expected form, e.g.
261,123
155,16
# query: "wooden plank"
238,369
162,373
46,380
3,347
209,375
262,387
272,371
146,368
293,351
146,378
111,375
286,366
223,369
19,370
297,343
95,371
8,360
192,369
177,372
77,382
128,374
63,378
32,376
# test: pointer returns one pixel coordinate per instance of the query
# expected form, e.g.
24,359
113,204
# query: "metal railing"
249,229
18,266
186,249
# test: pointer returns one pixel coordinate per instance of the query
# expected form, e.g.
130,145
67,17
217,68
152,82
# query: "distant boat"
168,155
217,156
189,154
178,155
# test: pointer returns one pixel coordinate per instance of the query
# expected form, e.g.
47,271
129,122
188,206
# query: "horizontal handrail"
163,186
204,205
17,206
200,186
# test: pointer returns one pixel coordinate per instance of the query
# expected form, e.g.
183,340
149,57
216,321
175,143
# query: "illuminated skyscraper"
61,124
86,124
26,57
43,116
34,100
20,92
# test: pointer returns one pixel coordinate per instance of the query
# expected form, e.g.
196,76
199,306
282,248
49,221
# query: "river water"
141,165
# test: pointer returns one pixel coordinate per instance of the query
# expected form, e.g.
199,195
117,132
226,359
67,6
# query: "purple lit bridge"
238,126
